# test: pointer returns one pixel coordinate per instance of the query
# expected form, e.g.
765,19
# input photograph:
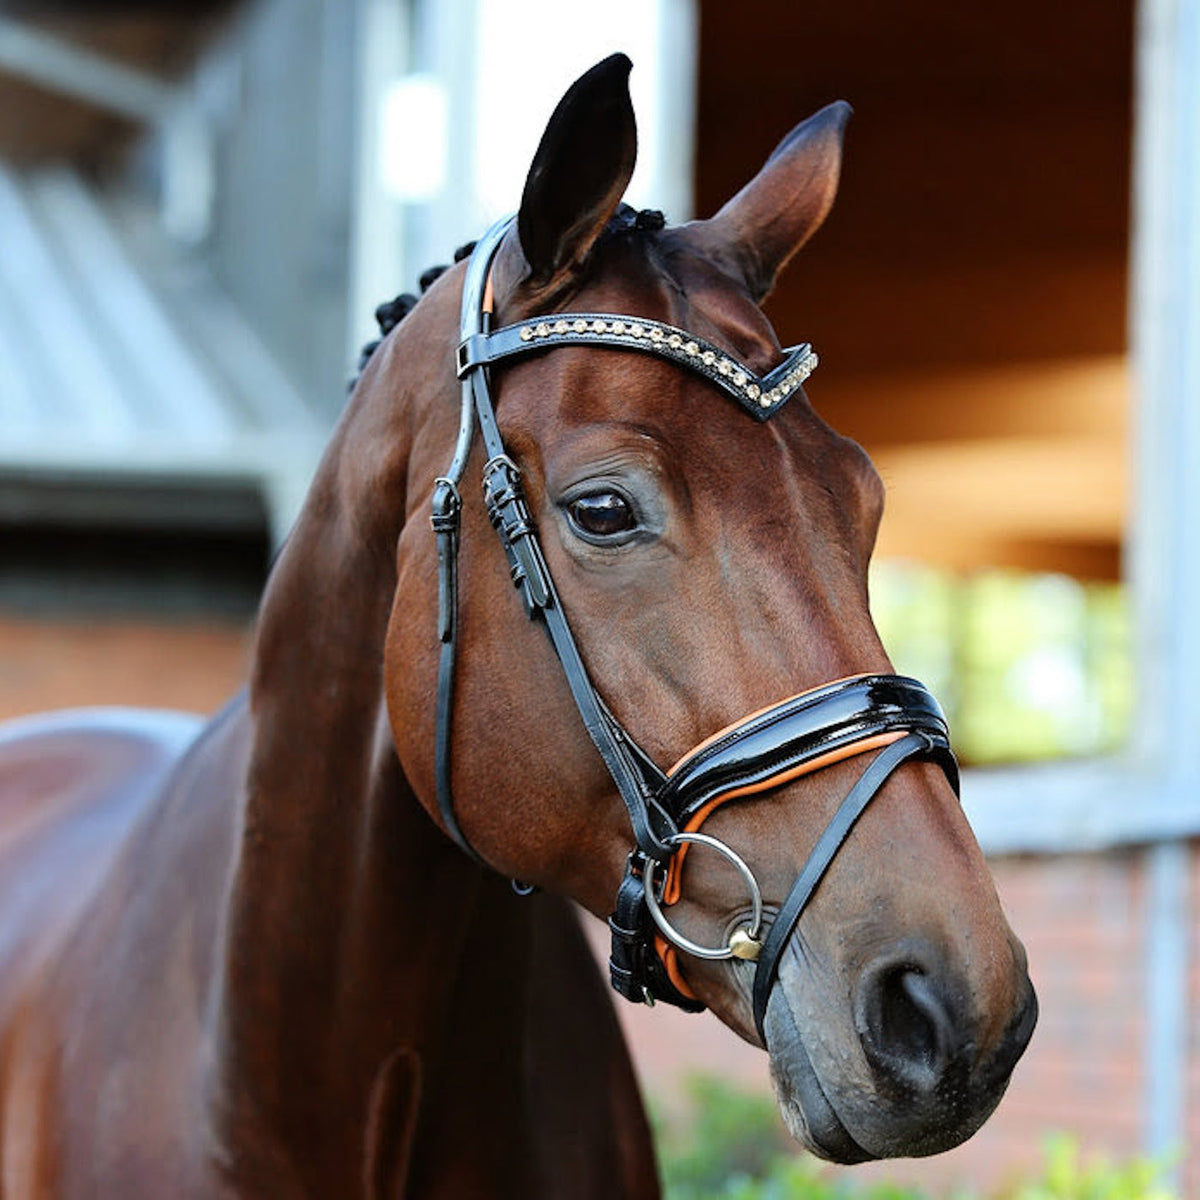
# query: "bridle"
889,713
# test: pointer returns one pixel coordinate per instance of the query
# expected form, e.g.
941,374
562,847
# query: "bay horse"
279,955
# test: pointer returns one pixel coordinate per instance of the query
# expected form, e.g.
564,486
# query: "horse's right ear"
783,205
579,173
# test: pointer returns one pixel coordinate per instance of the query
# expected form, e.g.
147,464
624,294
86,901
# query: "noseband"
765,750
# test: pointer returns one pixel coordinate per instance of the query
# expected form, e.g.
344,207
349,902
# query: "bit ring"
674,936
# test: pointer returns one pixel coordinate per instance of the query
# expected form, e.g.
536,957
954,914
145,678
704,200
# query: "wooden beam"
1012,489
1085,397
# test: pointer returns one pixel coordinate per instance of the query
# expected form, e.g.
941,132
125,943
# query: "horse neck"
349,908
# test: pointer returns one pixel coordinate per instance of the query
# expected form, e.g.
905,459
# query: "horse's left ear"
783,205
579,173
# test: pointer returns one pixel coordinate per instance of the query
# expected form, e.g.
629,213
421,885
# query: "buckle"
471,353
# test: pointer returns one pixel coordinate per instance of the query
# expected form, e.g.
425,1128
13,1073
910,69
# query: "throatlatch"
889,713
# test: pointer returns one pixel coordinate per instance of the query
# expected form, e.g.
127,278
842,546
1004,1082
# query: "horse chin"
806,1110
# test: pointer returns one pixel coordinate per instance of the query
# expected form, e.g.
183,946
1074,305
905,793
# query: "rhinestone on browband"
759,395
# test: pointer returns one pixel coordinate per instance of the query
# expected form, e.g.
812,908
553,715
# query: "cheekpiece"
759,395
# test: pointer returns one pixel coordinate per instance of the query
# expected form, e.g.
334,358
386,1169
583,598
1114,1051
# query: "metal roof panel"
121,359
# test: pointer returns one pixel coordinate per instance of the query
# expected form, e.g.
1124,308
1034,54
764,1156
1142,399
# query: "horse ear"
579,173
784,204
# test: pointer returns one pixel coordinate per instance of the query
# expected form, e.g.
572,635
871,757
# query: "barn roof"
126,374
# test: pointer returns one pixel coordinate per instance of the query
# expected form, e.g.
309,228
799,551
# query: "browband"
759,395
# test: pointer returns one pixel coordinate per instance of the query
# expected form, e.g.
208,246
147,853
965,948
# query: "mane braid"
391,312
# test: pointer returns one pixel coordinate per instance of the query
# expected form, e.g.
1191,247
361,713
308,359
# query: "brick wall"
194,665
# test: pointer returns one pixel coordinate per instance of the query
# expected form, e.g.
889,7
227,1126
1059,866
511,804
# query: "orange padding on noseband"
673,887
669,958
674,884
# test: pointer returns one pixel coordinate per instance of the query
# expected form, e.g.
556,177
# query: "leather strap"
447,507
913,745
634,966
446,518
509,513
636,777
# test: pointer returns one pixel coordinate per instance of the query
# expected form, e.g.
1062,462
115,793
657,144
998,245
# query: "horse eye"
602,514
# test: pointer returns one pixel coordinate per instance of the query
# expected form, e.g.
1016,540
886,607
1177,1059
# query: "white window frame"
1149,795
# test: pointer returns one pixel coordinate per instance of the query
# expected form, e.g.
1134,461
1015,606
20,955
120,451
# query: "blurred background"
202,202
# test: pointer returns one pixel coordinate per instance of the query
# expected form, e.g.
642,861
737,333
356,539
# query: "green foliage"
733,1147
1026,666
733,1136
1067,1176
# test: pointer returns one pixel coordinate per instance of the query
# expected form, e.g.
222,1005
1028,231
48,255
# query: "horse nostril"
906,1027
915,1023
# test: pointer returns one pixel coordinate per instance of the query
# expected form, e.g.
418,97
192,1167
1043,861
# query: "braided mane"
391,312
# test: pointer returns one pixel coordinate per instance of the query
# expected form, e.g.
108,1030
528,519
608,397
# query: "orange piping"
674,884
669,957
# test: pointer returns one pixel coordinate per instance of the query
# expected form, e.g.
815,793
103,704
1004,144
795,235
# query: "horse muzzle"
906,1076
907,1071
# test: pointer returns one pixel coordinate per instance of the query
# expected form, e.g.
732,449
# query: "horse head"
708,565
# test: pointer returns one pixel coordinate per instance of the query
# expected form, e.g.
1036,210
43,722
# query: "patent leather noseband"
763,751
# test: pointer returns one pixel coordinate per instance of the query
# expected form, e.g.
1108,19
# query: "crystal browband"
759,395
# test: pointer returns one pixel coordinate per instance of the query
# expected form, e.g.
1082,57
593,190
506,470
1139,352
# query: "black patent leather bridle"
804,733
